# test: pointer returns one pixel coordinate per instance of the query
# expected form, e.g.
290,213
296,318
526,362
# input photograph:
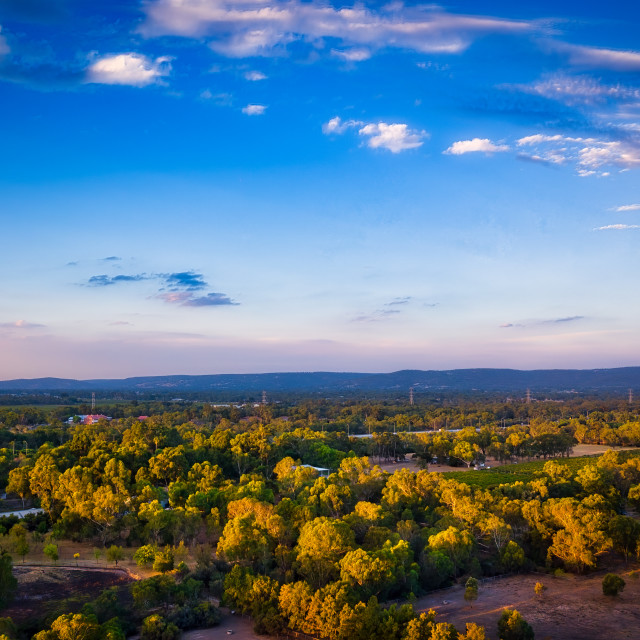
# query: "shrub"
145,555
612,584
512,626
155,627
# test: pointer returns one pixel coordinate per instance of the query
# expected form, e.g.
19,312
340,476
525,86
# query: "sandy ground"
571,608
578,450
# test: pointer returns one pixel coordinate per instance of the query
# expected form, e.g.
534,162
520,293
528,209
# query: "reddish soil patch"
571,608
41,588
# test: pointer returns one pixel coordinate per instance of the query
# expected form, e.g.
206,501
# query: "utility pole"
93,403
264,397
630,396
528,396
411,396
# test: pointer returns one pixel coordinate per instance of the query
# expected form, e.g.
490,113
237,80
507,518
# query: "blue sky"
207,186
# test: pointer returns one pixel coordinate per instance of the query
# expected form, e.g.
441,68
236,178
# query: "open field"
572,607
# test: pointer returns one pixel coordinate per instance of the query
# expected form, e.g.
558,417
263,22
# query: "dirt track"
571,608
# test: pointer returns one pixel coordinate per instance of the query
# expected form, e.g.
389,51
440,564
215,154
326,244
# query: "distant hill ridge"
454,380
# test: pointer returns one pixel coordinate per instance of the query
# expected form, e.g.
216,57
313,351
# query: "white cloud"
4,46
352,55
628,207
394,137
618,227
129,69
254,42
613,59
254,76
242,28
589,154
254,109
337,125
482,145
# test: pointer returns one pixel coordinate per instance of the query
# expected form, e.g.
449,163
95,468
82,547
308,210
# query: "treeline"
320,554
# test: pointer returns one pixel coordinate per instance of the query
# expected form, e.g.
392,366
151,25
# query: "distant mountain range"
485,380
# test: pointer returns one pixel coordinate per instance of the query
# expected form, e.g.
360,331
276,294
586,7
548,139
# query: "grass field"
521,472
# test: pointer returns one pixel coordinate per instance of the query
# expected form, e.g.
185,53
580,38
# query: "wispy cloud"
600,58
188,299
20,324
254,76
628,207
386,311
189,280
562,320
4,45
580,90
477,145
104,280
219,99
352,55
618,227
395,137
111,259
184,288
537,323
254,109
131,69
376,316
242,28
398,301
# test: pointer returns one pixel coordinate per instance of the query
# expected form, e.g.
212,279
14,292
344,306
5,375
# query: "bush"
512,626
200,616
163,560
612,584
155,627
145,555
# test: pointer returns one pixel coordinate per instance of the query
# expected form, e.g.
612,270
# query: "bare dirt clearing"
40,588
571,608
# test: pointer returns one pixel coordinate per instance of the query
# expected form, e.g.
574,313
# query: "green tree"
145,555
474,632
471,590
76,627
625,534
155,627
19,542
512,626
321,544
51,551
163,560
8,583
612,584
115,554
19,483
